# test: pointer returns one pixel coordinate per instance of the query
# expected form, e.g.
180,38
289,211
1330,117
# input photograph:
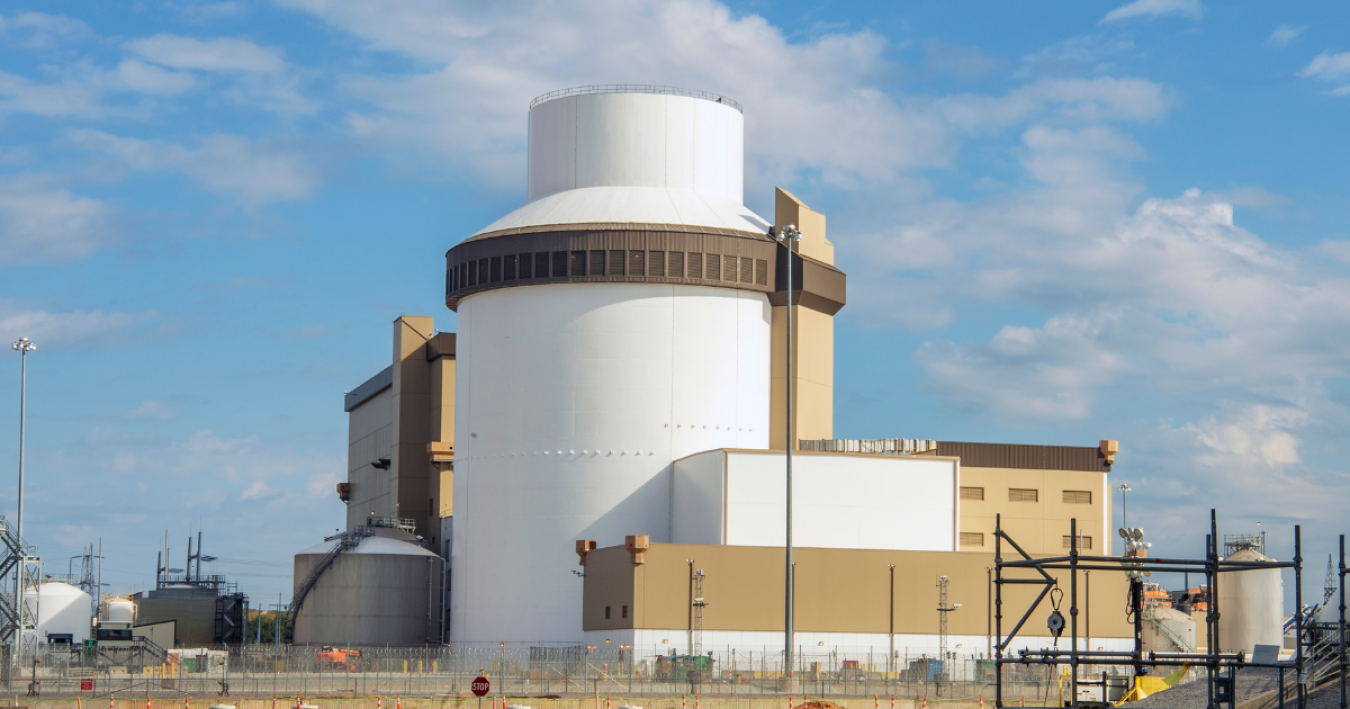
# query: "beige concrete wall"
812,341
840,590
399,423
1038,527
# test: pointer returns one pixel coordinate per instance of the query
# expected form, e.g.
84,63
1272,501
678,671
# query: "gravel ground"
1326,697
1195,694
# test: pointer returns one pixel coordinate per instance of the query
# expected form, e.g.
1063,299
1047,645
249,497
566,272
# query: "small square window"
606,612
625,611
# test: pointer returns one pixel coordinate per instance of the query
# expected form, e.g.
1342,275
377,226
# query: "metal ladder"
344,543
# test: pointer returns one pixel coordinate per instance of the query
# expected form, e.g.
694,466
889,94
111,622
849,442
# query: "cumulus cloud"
1284,35
252,172
43,223
150,410
1155,8
220,54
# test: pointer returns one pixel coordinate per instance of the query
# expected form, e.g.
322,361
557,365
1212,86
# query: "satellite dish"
1123,534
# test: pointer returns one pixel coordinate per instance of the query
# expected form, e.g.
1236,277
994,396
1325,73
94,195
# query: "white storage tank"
616,322
119,610
384,591
1169,630
1251,606
63,609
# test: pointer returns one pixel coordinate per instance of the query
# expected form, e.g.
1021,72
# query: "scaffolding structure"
20,575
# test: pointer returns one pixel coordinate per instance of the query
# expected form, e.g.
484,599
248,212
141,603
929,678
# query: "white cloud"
144,78
1101,99
1284,35
67,97
53,331
37,30
1331,67
252,172
42,223
220,54
1258,432
1155,8
1075,54
152,410
959,60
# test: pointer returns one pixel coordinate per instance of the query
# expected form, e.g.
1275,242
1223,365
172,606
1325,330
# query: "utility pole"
943,609
23,346
788,236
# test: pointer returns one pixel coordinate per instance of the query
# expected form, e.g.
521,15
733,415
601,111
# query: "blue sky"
1061,222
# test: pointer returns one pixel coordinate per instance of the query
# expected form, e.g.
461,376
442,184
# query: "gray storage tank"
384,590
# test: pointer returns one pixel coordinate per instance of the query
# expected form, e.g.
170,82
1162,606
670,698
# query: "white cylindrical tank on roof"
63,609
385,591
616,322
119,610
1169,630
1251,606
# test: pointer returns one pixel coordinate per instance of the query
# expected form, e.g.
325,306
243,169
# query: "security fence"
519,672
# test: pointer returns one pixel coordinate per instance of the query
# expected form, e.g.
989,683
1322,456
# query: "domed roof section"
631,205
373,545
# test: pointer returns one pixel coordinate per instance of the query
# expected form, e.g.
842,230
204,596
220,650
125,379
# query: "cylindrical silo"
1169,630
63,609
384,591
616,322
1251,606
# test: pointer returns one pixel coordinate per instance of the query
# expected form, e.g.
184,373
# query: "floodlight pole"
787,236
23,346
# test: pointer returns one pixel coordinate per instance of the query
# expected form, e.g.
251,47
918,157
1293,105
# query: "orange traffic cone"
925,701
111,700
379,702
981,701
696,702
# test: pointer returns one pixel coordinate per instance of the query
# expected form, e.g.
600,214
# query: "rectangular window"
450,280
714,267
541,267
1084,542
597,264
606,618
656,263
676,264
972,493
496,268
526,266
615,264
972,539
509,267
577,265
1078,497
463,275
747,270
729,268
637,263
473,273
625,611
1023,494
693,266
483,265
761,272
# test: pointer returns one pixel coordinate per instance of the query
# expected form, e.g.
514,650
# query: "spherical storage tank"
384,591
1251,606
63,609
616,322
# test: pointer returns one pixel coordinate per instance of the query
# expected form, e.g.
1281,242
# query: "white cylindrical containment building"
616,322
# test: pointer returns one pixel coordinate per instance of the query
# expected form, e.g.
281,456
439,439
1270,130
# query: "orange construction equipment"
331,658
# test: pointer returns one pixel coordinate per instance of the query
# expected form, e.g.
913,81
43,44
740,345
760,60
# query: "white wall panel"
842,501
573,401
698,499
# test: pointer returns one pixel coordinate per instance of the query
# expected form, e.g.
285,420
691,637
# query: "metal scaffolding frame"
21,573
1211,566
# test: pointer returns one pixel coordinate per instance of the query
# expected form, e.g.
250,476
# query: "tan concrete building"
401,435
845,599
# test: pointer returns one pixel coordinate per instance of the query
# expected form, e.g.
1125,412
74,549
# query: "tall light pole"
1124,508
23,346
787,236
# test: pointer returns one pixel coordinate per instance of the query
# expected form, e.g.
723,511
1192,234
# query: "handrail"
635,89
345,542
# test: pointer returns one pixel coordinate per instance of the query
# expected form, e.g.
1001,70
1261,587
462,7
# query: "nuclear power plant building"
609,421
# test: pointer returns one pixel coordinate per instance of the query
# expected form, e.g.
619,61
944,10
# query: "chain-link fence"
522,672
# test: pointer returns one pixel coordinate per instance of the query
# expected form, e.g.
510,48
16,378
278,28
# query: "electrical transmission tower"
699,603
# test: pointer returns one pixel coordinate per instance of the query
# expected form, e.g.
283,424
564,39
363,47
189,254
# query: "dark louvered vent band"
638,253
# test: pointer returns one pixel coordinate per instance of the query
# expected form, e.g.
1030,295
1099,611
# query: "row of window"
614,262
1026,494
625,612
976,539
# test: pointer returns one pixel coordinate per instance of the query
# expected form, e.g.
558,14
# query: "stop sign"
480,687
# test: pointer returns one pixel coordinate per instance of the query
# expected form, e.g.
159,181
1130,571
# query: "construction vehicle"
331,658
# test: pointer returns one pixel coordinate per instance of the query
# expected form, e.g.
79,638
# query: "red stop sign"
480,687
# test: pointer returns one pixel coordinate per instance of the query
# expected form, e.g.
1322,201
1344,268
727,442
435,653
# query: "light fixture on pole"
23,346
787,236
1124,508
